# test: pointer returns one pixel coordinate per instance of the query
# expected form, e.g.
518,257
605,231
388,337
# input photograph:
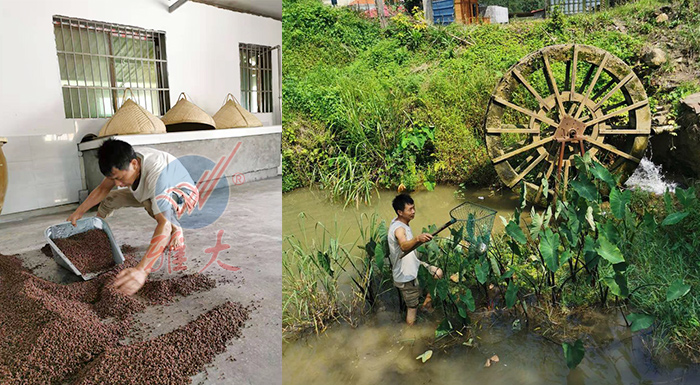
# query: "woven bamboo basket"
186,116
233,115
131,119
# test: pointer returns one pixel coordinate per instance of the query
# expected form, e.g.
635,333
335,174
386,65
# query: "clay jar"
3,173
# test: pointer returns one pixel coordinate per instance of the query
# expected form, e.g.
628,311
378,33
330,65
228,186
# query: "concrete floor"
252,224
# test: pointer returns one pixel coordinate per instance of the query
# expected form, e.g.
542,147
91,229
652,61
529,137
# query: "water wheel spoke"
530,146
512,129
603,90
617,87
624,130
612,149
593,83
530,88
553,83
525,111
614,106
574,65
639,104
527,170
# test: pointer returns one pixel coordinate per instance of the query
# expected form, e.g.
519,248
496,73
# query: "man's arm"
409,244
95,197
130,280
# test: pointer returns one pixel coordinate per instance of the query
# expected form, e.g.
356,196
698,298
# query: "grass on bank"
405,104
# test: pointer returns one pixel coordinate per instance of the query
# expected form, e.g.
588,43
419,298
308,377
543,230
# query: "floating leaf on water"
573,353
425,356
488,363
470,342
494,358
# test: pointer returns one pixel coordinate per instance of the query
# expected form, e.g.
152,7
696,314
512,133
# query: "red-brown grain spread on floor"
90,252
52,333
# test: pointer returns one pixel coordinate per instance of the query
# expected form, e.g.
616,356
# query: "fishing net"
475,223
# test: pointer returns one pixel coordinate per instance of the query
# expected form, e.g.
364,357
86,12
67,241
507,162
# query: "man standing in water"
405,267
155,180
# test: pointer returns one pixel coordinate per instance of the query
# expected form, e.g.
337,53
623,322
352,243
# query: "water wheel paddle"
560,101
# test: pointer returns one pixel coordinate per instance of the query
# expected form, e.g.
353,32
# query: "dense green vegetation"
368,108
600,248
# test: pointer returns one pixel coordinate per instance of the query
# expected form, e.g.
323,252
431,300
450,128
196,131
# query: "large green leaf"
515,232
482,271
468,300
536,221
585,189
601,173
677,290
573,353
640,321
545,187
608,251
565,256
442,289
325,262
379,256
674,218
443,329
549,244
686,197
589,253
511,294
618,202
523,196
617,284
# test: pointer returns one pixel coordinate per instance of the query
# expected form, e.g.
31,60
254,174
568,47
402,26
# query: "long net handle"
443,227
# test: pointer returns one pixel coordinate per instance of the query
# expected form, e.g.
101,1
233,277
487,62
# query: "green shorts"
410,291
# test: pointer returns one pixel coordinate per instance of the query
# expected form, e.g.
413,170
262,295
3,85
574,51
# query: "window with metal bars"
256,77
98,61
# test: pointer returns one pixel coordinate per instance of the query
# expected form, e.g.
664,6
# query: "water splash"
649,177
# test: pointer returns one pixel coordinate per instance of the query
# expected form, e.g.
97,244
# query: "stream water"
383,350
432,207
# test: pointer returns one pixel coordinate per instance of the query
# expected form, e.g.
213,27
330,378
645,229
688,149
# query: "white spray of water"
648,177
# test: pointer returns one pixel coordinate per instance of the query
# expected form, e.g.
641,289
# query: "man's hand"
425,237
435,271
130,280
74,217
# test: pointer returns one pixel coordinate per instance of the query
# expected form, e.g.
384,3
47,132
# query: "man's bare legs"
411,315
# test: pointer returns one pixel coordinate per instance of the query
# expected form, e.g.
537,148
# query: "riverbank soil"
251,225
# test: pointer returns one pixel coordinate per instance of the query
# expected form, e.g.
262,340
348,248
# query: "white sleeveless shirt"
403,269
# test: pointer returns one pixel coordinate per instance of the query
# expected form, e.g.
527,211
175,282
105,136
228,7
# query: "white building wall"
42,156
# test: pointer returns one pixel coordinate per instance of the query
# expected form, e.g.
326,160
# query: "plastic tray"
66,229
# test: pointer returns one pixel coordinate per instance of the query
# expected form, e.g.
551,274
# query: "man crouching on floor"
154,180
405,267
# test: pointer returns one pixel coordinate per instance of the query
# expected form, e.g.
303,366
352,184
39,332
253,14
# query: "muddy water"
432,207
384,351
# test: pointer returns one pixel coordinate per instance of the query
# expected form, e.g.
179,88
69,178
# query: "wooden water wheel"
560,101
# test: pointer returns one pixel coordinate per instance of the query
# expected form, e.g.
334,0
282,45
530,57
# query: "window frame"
85,86
261,70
